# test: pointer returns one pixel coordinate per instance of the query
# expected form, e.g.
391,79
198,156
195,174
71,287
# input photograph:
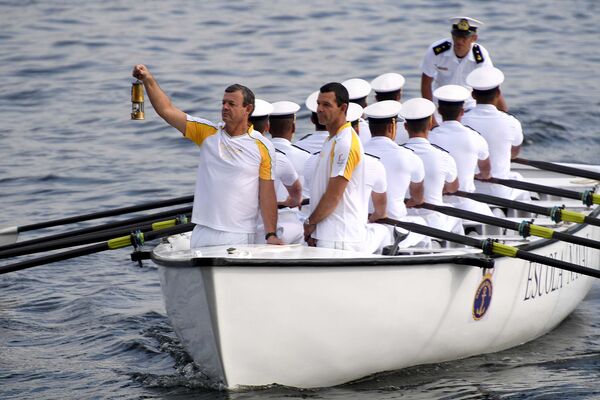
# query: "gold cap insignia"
463,25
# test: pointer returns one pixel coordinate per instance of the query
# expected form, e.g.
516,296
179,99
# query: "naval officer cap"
354,112
464,26
262,108
311,101
389,82
284,109
417,108
485,78
452,93
383,109
357,88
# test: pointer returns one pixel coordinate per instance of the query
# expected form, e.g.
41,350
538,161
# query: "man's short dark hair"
259,123
247,94
450,110
340,91
378,126
418,125
393,95
486,96
281,126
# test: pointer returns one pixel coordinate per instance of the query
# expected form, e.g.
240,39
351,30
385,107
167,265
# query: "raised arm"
159,100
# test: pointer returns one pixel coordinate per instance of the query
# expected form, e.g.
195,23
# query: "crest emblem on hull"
483,298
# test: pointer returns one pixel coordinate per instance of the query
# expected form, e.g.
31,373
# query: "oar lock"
588,197
137,241
556,213
525,228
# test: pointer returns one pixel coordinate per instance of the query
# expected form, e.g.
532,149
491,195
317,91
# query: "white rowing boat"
312,317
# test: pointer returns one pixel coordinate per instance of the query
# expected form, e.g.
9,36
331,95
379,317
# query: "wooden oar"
556,213
89,238
9,235
525,228
491,247
588,197
112,244
128,223
563,169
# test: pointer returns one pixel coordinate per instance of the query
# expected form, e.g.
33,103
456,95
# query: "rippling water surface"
95,326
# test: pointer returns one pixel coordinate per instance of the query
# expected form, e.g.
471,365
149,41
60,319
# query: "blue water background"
95,326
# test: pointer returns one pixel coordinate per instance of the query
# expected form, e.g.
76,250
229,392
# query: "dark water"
95,326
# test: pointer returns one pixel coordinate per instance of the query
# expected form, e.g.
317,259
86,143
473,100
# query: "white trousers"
378,236
289,227
205,236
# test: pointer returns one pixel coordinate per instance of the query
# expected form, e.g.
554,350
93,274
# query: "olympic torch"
137,100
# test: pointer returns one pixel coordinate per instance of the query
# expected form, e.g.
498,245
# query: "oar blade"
9,235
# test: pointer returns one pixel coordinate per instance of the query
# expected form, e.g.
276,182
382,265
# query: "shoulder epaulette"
314,154
477,54
441,148
279,151
305,136
300,148
507,113
474,130
372,155
442,47
407,148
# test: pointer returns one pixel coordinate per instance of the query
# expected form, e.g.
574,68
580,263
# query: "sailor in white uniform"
403,168
440,169
389,86
502,131
450,60
288,187
282,125
359,90
468,148
312,142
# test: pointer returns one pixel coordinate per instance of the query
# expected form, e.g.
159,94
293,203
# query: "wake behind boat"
311,317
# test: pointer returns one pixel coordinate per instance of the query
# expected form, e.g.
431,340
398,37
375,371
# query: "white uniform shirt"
285,175
439,168
447,69
226,196
342,155
500,130
465,145
295,154
364,132
313,142
375,179
402,166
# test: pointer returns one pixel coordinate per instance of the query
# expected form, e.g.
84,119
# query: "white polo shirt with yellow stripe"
226,196
342,155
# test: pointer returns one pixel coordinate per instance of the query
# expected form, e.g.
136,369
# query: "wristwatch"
307,222
269,234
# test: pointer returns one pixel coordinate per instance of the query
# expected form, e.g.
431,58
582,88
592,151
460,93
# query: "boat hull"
305,325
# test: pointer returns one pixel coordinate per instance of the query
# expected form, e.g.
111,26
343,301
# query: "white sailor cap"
389,82
485,78
284,108
383,109
452,93
354,112
357,88
261,108
417,108
464,26
311,101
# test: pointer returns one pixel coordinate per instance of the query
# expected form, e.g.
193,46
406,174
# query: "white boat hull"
312,317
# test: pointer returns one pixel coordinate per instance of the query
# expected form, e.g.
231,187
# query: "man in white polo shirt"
236,169
338,185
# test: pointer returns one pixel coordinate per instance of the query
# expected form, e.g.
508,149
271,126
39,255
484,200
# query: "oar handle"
563,169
